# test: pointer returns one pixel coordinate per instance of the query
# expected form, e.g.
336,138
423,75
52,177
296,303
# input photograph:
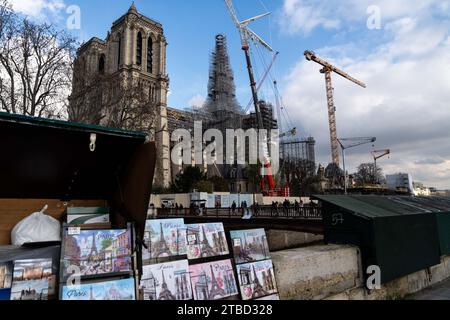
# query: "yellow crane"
327,70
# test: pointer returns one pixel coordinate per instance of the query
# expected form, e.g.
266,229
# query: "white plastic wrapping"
37,227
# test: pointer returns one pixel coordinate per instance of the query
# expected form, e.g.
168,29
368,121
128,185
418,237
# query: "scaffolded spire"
221,87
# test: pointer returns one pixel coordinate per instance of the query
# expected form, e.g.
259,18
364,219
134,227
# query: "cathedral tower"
122,82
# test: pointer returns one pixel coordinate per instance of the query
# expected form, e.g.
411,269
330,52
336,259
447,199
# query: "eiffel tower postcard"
206,240
250,245
257,280
96,252
166,281
213,280
165,238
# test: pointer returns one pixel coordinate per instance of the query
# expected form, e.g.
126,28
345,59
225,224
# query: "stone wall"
282,240
316,272
333,272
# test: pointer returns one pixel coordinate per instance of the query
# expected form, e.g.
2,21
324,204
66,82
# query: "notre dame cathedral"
122,82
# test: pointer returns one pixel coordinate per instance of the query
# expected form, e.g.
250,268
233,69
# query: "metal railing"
305,212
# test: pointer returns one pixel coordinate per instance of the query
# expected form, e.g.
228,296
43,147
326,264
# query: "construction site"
222,111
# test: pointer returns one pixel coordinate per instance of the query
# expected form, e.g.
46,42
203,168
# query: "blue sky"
405,63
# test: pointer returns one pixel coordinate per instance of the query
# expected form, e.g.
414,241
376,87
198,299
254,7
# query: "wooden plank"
13,211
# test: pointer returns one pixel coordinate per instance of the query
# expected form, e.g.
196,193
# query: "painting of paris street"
96,252
206,240
164,238
249,245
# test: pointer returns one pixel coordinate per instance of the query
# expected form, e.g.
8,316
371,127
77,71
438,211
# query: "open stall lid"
52,159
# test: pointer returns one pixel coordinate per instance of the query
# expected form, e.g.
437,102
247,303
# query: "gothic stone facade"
122,82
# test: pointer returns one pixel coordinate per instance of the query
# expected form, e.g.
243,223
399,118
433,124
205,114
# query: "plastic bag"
37,227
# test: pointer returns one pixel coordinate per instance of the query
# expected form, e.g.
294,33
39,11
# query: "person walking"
233,207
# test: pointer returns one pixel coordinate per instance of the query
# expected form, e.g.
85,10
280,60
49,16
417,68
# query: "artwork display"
167,281
213,281
96,252
256,279
164,238
31,279
6,271
206,240
250,245
109,290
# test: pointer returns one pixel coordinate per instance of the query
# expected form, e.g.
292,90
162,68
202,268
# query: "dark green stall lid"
51,159
372,207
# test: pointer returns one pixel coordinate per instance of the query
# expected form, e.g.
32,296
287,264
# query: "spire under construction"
221,88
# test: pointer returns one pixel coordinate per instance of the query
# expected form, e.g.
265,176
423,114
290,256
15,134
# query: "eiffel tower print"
161,246
165,294
207,250
215,291
93,254
258,290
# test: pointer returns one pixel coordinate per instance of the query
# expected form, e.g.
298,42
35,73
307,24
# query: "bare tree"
35,61
366,175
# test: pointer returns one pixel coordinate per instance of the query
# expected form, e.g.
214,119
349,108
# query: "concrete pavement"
439,291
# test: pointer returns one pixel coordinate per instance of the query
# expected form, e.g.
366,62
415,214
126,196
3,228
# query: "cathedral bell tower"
130,65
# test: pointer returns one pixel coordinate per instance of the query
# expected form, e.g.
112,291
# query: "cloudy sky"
403,57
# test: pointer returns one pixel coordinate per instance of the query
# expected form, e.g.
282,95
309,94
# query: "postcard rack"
94,256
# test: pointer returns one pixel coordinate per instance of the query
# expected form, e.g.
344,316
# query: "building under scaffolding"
298,157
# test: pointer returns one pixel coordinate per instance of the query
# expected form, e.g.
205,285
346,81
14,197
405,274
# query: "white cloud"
196,101
303,16
405,104
36,8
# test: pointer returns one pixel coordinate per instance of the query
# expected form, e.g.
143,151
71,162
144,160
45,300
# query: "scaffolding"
298,154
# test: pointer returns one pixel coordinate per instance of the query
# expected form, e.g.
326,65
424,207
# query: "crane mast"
247,35
327,70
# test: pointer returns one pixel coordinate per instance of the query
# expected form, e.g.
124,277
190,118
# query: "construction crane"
347,143
327,70
263,78
378,154
248,35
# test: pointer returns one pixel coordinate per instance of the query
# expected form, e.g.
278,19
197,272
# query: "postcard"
213,280
256,279
36,289
206,240
32,279
32,269
167,281
6,271
123,289
250,245
164,238
94,252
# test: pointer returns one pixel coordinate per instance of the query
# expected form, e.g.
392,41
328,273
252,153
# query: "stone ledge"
315,272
